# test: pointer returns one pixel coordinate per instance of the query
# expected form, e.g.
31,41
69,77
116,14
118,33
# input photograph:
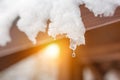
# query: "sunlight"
52,50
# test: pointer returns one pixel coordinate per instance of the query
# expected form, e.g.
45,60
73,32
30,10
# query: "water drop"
73,55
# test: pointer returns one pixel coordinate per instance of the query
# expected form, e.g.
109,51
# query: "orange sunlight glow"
52,50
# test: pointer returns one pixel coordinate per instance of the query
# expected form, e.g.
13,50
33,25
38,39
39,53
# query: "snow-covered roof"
64,15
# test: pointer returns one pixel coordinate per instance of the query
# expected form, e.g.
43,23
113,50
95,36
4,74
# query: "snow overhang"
20,41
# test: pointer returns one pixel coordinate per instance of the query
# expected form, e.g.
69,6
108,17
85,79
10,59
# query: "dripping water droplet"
73,55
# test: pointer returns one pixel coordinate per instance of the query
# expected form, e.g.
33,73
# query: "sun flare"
52,50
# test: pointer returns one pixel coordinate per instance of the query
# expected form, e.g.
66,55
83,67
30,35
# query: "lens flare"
52,50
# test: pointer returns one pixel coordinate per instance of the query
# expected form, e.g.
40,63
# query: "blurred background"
99,59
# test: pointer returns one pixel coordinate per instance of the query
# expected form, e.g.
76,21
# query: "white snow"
64,15
102,7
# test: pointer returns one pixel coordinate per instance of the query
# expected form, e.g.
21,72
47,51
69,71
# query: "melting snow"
64,15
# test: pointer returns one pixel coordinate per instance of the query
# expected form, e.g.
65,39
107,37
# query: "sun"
52,50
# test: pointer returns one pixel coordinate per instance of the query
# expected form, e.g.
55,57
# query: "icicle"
73,46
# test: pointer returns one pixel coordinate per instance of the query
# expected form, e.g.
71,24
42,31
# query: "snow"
65,17
102,7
